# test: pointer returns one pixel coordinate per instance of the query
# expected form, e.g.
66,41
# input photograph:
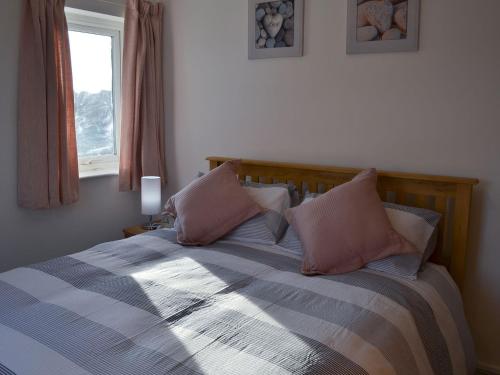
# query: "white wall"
434,111
29,236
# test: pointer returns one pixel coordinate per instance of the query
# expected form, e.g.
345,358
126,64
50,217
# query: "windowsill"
99,166
98,173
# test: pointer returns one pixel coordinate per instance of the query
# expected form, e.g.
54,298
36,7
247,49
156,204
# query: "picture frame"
402,32
275,28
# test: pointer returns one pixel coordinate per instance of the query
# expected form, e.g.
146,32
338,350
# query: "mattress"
146,305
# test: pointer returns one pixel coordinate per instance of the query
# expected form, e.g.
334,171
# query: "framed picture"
375,26
275,28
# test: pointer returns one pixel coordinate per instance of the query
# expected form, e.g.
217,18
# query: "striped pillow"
268,227
290,241
211,206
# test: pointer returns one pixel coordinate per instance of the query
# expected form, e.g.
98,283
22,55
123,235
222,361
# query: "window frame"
112,26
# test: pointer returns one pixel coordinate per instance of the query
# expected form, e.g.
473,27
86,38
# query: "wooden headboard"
450,196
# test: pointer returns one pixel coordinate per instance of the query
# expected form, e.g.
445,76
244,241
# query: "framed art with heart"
375,26
275,28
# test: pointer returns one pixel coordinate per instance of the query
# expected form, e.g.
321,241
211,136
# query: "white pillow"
266,228
412,227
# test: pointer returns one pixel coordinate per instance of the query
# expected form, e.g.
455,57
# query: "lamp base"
151,226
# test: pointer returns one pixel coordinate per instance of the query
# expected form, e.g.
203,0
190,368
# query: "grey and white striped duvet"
146,305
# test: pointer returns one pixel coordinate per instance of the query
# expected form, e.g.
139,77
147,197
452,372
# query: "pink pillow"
211,206
346,228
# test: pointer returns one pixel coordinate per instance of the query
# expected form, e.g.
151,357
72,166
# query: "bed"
146,305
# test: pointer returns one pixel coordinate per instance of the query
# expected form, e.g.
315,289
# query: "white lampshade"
151,195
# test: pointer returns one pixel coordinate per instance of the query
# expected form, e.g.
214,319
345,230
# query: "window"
95,42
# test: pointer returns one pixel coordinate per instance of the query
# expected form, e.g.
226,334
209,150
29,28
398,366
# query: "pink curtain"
142,150
47,155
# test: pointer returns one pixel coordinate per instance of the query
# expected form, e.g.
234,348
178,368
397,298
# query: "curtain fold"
142,150
47,154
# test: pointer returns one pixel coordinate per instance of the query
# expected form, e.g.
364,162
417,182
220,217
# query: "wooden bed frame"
450,196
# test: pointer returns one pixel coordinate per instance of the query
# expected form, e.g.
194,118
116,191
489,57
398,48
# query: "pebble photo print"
274,24
382,20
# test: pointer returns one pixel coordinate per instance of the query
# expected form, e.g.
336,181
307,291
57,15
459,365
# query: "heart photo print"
375,26
275,28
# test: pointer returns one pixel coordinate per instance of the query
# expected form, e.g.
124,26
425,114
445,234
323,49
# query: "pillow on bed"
268,227
420,227
290,241
346,228
211,206
417,225
292,190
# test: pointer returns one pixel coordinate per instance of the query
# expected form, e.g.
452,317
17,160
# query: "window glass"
92,66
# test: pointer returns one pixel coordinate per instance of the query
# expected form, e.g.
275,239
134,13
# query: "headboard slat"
426,191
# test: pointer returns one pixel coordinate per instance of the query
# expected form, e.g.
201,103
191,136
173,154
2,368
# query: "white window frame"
102,24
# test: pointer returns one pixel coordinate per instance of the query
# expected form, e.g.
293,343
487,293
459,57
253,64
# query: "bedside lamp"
151,199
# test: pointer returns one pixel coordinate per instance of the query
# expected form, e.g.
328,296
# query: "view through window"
92,65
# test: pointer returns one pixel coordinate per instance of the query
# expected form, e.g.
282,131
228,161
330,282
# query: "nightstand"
138,229
134,231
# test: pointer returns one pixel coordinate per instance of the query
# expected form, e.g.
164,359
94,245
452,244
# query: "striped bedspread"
146,305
